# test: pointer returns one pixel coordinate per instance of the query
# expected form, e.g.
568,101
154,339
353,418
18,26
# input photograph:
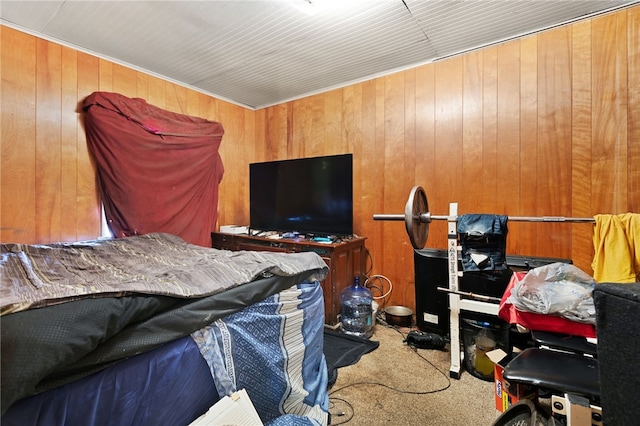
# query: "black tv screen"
304,195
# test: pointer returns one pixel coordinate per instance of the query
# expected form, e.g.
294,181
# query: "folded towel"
616,241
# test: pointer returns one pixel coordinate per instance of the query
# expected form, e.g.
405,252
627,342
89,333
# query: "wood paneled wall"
546,125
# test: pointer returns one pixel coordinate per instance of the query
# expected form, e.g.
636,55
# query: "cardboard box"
506,394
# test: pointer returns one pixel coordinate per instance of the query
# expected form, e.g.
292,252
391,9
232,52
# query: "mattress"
273,349
131,351
139,390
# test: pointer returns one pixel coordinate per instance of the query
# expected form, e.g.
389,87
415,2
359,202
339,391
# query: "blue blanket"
283,374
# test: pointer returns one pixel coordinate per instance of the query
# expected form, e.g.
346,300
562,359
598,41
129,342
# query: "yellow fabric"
616,240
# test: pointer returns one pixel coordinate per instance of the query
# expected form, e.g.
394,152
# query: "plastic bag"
556,289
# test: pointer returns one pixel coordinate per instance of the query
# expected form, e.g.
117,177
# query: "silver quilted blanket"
161,264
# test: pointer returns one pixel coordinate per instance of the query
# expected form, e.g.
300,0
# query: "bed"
150,329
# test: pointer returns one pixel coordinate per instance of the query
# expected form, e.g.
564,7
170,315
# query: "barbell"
417,217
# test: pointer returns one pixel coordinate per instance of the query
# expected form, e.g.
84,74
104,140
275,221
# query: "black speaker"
432,306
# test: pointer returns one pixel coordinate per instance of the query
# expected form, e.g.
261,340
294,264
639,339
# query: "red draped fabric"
158,171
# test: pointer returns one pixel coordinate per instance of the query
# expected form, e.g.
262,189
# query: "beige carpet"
397,385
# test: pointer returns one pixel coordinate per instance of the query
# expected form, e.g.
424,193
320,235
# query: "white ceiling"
264,52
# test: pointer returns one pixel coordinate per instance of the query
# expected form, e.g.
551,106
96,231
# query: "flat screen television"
311,196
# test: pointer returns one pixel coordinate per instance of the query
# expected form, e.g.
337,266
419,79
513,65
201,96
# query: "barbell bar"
417,217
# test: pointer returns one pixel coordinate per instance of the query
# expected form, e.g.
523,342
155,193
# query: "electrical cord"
370,258
333,414
369,283
403,391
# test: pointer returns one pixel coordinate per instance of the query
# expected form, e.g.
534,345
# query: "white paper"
234,410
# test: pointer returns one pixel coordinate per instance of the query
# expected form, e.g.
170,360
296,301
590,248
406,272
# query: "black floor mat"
341,350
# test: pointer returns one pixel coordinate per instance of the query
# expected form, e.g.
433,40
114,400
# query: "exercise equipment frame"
417,218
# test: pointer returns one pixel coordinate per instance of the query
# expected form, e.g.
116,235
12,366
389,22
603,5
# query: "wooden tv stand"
345,260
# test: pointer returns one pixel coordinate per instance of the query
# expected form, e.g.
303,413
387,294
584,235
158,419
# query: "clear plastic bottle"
357,310
485,342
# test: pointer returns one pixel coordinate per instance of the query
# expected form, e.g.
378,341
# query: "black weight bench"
571,378
559,372
586,382
563,342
